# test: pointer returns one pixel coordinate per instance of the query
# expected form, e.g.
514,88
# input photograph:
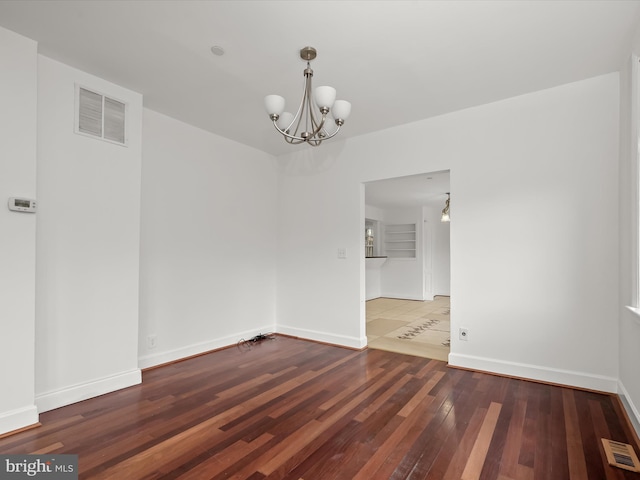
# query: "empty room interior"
222,216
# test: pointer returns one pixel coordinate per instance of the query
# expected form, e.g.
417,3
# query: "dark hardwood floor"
292,409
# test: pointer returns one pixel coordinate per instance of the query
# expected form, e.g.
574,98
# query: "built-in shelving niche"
400,240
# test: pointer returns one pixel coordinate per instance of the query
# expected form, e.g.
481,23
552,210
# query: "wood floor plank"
559,464
421,395
289,409
528,446
443,427
390,445
509,459
53,448
225,458
302,438
462,450
412,449
379,402
407,447
493,458
526,473
602,431
592,450
575,450
473,467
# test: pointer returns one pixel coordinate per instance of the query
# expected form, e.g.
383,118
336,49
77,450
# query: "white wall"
373,213
536,286
439,236
373,277
629,353
319,295
373,280
18,98
208,233
87,245
541,202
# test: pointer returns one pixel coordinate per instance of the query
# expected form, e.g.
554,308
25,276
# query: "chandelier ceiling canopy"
319,116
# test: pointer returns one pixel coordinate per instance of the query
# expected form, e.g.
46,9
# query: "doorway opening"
407,265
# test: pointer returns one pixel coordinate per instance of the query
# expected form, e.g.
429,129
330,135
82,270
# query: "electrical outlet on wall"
152,340
463,334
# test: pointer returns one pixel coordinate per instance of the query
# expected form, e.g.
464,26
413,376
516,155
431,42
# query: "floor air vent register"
621,455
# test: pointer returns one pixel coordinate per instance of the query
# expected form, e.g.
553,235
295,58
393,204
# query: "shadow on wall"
307,160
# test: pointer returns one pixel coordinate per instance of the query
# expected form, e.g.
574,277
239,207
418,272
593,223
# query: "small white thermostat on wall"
22,205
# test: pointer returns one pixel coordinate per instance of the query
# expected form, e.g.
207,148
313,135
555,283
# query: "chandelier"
311,122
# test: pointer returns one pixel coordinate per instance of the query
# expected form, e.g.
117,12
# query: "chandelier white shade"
274,104
319,116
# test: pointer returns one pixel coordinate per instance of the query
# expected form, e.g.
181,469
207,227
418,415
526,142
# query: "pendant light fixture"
445,211
311,123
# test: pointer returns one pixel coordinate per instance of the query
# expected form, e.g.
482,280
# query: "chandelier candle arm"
309,123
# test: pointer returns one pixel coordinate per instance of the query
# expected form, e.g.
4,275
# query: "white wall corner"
167,356
83,391
630,408
18,418
535,372
18,120
338,340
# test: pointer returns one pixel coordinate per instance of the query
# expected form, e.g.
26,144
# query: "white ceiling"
396,61
411,191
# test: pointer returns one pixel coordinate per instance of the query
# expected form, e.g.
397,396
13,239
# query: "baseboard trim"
83,391
323,337
18,419
630,409
170,356
400,296
304,339
569,378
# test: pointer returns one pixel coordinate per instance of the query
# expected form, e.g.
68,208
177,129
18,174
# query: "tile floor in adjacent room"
409,326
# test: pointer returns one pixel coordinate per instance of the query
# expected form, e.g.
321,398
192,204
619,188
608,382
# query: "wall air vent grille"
100,116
